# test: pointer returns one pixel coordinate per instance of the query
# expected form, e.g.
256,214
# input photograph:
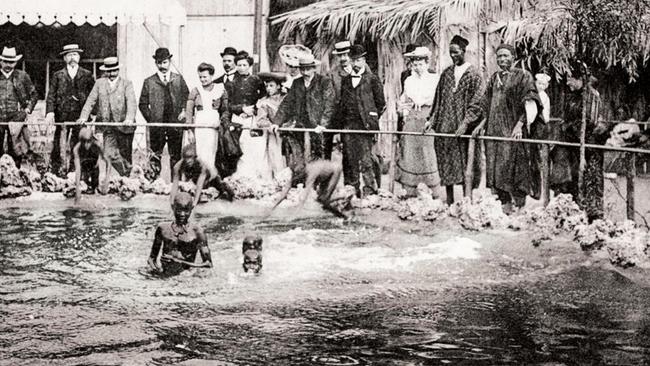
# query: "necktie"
165,78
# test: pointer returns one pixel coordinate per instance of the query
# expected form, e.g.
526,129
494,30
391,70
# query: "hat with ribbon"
9,55
70,48
357,51
308,61
278,77
341,48
419,53
290,54
110,63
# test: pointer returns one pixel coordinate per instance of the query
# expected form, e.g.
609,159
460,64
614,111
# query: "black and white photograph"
324,182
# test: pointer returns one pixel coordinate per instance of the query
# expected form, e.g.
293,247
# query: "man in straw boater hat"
510,104
115,101
309,104
456,109
162,100
340,71
228,61
69,88
17,100
361,104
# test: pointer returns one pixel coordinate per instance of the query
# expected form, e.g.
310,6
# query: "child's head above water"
182,206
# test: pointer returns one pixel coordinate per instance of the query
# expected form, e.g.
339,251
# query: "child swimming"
179,240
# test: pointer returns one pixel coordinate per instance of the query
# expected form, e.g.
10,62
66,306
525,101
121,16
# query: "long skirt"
274,156
253,163
416,162
206,139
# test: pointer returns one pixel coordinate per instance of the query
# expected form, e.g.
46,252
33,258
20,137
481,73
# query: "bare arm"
90,103
176,176
77,173
284,193
199,185
107,170
204,250
155,250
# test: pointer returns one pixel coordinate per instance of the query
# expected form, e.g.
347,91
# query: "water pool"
75,291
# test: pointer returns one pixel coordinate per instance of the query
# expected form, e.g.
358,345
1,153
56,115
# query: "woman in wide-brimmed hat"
416,162
266,109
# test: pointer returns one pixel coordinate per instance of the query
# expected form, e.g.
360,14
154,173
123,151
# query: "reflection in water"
74,290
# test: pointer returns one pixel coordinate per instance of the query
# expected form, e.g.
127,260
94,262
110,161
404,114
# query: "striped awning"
93,12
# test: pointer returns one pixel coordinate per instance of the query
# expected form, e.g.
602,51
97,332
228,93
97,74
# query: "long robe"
454,106
565,161
509,164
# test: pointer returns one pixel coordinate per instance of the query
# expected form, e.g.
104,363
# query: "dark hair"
204,66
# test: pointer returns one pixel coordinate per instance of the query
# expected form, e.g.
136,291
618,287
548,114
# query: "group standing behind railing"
244,112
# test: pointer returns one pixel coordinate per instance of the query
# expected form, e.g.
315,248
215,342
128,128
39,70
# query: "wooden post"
307,148
545,158
47,78
469,169
257,33
391,169
631,174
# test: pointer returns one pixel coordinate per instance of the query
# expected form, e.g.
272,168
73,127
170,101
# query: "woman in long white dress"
417,162
246,90
207,105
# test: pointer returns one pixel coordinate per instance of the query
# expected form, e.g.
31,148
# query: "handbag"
228,150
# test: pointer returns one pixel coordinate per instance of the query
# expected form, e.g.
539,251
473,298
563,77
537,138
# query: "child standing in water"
86,163
179,240
266,109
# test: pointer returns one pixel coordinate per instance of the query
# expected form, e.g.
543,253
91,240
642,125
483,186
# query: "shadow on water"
74,290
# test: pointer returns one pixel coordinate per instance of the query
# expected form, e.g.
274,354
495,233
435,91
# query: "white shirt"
421,89
166,77
307,82
113,83
348,69
356,77
7,75
72,70
459,71
230,75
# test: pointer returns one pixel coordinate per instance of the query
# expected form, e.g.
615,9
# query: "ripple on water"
75,290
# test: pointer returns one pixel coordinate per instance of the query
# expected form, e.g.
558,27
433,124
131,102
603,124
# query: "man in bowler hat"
162,100
228,61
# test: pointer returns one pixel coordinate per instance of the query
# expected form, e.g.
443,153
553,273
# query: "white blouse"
421,89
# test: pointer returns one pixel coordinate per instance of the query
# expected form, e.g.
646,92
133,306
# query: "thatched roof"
603,33
386,19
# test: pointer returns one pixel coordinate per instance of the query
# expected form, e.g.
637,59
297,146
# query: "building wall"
212,26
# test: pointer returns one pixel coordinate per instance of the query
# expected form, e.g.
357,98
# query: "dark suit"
337,74
66,98
160,102
360,108
308,107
